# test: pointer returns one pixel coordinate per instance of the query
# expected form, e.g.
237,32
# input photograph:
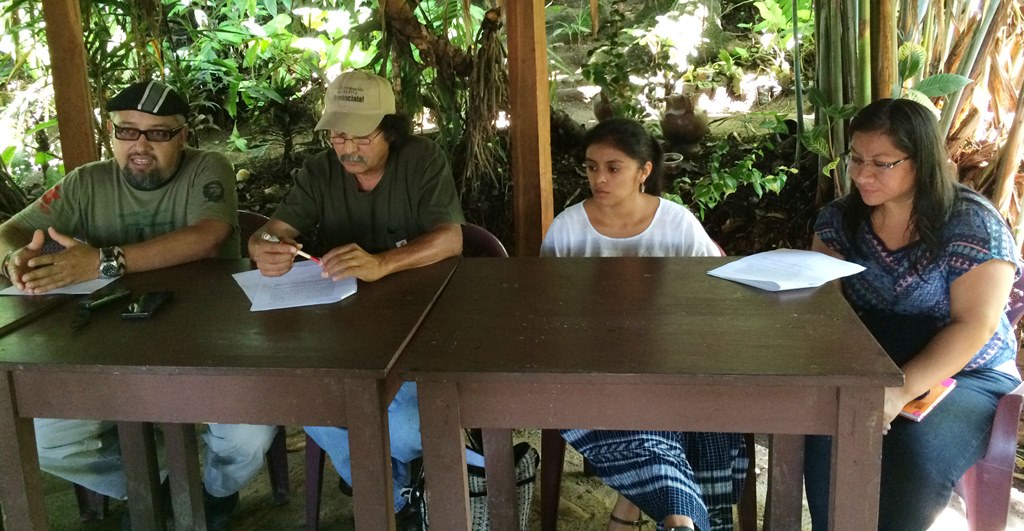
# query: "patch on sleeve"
48,199
213,191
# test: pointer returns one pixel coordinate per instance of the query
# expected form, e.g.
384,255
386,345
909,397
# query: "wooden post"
595,23
884,57
70,82
530,124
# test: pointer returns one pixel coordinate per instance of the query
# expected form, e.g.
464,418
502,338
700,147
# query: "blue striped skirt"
699,475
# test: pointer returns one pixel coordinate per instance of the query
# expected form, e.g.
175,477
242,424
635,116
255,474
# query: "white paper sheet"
82,288
785,269
302,286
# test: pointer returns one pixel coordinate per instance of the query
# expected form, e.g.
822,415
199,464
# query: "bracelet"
3,265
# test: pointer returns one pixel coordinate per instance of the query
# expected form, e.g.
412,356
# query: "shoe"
409,518
639,523
218,510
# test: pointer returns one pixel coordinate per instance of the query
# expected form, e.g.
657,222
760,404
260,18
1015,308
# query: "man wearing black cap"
156,204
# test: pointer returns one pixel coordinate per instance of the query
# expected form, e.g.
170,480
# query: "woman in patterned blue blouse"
940,264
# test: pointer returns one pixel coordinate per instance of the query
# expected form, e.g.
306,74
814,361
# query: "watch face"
109,269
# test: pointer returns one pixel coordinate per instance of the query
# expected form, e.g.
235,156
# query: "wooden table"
645,343
206,358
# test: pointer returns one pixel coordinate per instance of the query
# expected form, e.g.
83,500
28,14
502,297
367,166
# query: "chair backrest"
248,223
478,242
1016,304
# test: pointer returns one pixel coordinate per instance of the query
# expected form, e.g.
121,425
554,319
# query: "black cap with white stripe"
152,97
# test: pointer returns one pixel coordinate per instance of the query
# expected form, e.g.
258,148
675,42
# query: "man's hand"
352,261
272,258
17,264
77,263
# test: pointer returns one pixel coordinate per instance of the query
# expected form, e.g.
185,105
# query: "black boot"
218,510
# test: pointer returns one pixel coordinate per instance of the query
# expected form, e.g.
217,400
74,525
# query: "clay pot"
681,124
602,108
671,163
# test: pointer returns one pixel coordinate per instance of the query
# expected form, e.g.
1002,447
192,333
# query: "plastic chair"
93,505
248,223
476,242
985,487
479,242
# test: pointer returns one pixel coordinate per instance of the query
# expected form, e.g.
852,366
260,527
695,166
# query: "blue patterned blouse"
973,235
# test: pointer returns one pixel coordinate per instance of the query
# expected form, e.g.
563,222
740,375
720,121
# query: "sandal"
639,523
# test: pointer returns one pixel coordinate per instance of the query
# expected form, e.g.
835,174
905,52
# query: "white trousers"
87,452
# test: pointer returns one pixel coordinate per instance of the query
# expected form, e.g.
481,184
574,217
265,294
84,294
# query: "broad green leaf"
923,99
827,170
942,84
40,126
911,59
816,140
8,155
817,98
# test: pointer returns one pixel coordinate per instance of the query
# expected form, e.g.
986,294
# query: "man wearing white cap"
380,201
156,204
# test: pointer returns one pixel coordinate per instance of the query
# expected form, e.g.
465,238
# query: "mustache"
351,158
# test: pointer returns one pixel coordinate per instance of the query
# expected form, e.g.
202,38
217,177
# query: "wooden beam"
884,56
70,82
530,124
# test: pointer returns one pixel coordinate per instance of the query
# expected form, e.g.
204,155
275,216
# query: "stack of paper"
302,286
784,269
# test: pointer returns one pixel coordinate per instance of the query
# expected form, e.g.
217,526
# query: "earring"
642,188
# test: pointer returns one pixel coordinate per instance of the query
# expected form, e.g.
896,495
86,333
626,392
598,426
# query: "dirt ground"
584,505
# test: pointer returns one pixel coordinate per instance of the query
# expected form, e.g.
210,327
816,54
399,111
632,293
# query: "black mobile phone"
146,304
103,297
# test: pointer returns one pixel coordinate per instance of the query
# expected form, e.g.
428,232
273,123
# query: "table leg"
501,479
783,505
182,451
142,472
857,459
370,447
21,487
444,456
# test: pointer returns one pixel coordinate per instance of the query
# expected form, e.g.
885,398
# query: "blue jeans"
920,461
406,445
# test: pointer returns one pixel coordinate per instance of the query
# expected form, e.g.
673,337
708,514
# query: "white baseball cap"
356,102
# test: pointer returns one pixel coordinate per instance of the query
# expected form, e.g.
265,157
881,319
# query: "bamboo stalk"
955,101
864,38
847,33
797,71
1009,162
835,89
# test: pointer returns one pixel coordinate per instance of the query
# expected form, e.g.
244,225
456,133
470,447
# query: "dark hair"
630,137
395,128
912,128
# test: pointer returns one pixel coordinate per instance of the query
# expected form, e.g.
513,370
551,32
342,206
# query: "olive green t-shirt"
95,204
416,194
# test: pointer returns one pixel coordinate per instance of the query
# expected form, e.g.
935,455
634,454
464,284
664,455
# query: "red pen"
274,239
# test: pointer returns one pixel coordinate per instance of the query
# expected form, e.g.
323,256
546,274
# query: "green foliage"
818,139
568,28
777,20
912,57
726,174
612,64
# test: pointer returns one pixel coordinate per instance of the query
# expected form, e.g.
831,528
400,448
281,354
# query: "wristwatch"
111,262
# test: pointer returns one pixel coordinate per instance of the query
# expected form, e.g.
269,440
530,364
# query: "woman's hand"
894,402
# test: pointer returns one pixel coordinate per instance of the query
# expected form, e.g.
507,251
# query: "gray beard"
145,182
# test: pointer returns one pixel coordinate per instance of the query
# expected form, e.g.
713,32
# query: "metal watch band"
111,262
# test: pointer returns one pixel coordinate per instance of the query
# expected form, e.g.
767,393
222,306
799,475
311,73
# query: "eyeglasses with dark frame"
341,138
853,162
153,135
